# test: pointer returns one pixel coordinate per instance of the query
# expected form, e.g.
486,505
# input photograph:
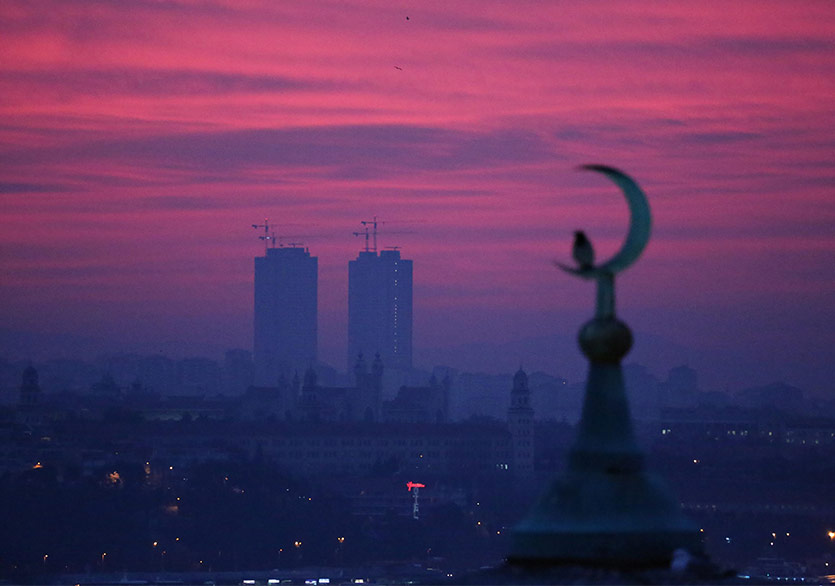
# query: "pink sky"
140,140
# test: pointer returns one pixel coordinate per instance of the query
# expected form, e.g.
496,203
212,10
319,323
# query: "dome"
520,379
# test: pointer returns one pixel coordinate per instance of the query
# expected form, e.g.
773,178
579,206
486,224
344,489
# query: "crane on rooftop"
266,237
373,223
269,236
370,233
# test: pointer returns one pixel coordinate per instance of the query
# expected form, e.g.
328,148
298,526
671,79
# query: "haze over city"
140,143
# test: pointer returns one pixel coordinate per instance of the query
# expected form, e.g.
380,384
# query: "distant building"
198,376
29,409
520,425
380,308
30,388
286,289
311,402
429,404
158,374
237,371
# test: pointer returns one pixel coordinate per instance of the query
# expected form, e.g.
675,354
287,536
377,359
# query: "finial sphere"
605,340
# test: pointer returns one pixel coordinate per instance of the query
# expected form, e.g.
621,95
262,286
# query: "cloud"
158,83
10,187
358,151
718,137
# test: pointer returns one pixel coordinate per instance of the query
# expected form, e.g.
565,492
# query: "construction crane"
370,231
267,237
365,233
373,223
270,236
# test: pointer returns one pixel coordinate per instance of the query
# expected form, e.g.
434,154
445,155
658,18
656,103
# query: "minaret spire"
606,509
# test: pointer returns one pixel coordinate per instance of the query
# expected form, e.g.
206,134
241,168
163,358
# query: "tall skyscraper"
380,308
286,288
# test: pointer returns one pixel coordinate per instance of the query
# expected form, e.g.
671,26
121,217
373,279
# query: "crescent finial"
640,225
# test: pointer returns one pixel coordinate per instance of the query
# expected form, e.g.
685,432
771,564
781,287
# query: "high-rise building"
520,425
380,308
286,288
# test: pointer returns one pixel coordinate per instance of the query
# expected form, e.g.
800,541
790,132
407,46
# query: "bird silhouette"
583,252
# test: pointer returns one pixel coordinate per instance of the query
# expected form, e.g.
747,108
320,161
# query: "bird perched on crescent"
583,252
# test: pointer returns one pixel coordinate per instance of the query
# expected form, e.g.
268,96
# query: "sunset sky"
140,140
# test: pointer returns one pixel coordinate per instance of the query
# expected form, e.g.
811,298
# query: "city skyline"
140,144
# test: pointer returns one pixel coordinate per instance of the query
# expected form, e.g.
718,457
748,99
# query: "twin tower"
286,311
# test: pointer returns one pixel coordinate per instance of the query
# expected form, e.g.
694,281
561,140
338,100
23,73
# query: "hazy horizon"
140,143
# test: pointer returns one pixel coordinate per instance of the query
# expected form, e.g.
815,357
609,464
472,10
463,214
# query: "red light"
412,485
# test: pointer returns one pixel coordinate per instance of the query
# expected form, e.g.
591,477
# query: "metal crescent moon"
640,223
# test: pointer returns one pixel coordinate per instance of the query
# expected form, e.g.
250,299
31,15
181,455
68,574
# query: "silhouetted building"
198,376
237,371
380,308
158,374
429,404
309,401
30,388
520,425
286,285
360,403
30,410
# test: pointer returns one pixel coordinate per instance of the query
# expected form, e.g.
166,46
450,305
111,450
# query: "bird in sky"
400,68
583,252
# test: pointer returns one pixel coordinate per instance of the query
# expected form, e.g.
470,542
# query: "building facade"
380,308
520,417
286,321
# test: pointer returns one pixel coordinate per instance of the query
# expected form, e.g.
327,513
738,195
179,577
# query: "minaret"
607,509
520,425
